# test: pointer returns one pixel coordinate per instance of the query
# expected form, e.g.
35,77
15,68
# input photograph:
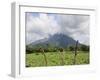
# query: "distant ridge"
56,40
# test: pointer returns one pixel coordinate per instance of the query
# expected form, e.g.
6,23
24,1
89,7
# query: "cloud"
76,26
41,25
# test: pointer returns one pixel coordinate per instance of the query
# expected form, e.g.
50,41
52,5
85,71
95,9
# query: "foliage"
71,48
84,48
53,59
51,48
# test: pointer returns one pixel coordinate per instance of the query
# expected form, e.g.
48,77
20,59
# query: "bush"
84,48
71,48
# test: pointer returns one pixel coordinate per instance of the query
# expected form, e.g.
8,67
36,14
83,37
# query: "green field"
54,59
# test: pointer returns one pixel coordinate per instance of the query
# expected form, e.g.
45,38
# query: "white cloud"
42,25
76,26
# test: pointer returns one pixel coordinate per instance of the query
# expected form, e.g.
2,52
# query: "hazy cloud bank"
41,25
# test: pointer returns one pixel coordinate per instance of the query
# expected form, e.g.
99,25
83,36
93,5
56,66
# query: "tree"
84,48
28,49
71,48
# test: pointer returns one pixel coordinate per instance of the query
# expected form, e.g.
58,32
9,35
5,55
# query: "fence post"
62,56
45,59
75,54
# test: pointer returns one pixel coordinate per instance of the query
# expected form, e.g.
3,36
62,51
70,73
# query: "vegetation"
30,49
50,55
53,58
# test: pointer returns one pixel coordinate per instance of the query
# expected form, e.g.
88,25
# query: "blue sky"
41,25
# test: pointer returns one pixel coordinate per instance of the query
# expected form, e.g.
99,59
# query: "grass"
54,59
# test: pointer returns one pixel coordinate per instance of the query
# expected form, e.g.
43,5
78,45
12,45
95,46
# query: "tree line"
55,49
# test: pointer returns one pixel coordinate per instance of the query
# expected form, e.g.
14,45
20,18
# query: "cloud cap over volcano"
42,25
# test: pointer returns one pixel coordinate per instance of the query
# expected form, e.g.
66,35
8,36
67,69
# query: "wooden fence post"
62,56
45,59
75,54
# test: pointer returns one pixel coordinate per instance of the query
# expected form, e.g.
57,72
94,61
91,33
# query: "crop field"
57,59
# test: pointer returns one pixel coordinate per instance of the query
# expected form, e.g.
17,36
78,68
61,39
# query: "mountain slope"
57,40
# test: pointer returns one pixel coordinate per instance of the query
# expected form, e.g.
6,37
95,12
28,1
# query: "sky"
42,25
